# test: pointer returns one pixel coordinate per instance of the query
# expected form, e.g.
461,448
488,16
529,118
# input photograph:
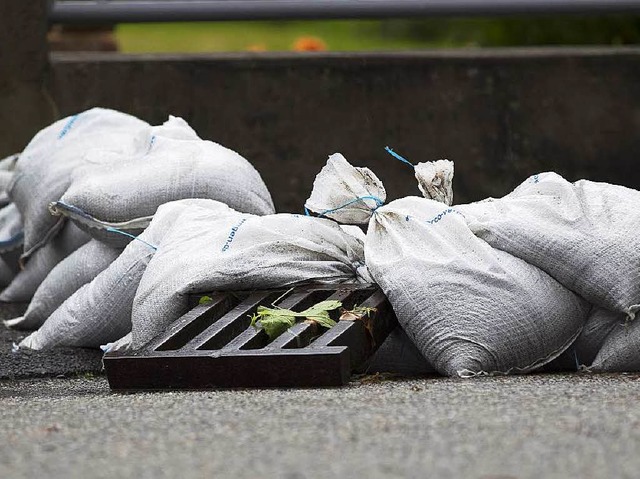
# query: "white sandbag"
470,309
100,311
26,282
6,274
5,180
205,251
600,323
125,194
122,344
11,240
357,188
584,234
398,355
621,349
11,229
9,163
77,269
435,180
43,170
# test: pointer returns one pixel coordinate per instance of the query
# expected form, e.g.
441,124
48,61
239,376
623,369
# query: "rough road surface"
16,364
552,426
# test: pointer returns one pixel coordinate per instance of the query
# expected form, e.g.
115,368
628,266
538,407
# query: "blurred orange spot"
309,44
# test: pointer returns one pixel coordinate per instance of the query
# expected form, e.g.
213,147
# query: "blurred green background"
378,34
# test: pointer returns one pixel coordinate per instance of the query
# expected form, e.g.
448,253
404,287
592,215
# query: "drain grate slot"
214,344
232,324
195,321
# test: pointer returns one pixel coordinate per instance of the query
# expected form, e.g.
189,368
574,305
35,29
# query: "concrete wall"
25,106
501,115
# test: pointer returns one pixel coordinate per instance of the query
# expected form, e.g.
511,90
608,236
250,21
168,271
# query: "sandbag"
44,169
583,234
26,282
11,236
77,269
5,180
207,251
470,309
7,165
100,311
125,194
398,355
600,322
6,274
122,344
620,351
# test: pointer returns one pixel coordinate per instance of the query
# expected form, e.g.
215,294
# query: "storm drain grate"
214,345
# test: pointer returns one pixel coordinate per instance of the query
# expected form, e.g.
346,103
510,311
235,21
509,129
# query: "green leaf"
205,300
276,321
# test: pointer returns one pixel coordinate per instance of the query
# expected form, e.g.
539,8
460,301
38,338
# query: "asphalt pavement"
553,426
58,419
65,362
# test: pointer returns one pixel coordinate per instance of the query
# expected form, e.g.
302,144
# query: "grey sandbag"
11,236
469,308
100,311
600,324
584,234
177,165
77,269
11,229
44,169
587,345
398,355
7,165
5,180
211,250
620,351
6,274
26,282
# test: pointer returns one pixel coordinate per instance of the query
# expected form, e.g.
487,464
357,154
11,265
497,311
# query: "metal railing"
106,11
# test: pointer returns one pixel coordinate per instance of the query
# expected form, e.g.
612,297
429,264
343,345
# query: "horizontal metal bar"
135,11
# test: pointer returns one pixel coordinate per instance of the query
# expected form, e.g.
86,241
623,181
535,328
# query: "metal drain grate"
214,345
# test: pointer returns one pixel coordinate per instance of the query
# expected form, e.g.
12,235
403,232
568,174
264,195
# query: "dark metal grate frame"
214,346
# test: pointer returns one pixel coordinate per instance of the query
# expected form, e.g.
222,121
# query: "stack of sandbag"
111,193
609,342
74,271
584,234
469,308
42,174
199,246
125,192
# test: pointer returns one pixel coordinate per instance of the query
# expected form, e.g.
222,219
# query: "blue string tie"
378,201
129,235
398,157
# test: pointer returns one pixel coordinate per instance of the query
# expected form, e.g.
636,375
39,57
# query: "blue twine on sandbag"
398,157
74,209
378,201
129,235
